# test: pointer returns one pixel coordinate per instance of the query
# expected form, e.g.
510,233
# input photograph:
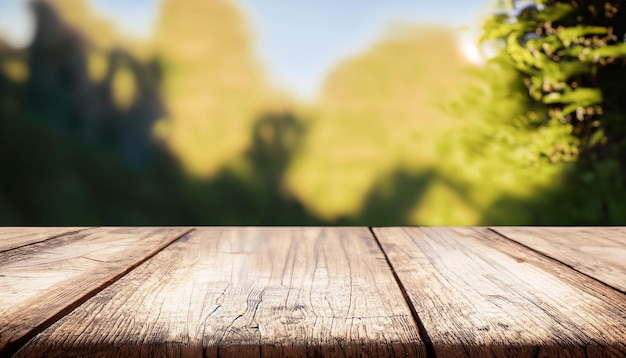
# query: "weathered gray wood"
481,295
41,282
13,237
246,292
599,252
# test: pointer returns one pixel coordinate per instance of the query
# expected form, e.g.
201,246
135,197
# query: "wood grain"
481,295
599,252
13,237
41,282
246,292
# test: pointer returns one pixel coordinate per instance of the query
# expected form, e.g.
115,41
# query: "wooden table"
424,292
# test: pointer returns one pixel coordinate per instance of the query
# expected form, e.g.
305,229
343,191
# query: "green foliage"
562,48
73,155
505,149
537,137
213,84
377,122
548,115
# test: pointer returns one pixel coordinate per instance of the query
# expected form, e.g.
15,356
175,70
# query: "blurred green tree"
378,114
213,84
570,56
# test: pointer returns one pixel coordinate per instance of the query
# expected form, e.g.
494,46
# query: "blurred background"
242,112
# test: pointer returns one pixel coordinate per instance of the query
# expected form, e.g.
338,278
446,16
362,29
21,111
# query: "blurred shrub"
534,137
572,57
378,114
213,84
548,119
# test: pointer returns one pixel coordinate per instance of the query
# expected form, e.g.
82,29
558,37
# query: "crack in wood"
430,349
13,346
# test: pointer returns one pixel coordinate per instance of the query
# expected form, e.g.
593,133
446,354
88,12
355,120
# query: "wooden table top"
313,291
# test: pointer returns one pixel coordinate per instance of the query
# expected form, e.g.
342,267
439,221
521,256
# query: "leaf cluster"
568,53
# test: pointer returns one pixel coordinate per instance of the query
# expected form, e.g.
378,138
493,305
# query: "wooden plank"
481,295
13,237
246,292
41,282
599,252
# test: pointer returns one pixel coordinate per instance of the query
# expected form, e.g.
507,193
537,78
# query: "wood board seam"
430,349
46,239
12,347
546,255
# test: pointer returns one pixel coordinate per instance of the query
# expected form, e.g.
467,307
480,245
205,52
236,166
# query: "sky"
333,29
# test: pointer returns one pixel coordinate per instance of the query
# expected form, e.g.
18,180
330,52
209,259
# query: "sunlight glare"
468,39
